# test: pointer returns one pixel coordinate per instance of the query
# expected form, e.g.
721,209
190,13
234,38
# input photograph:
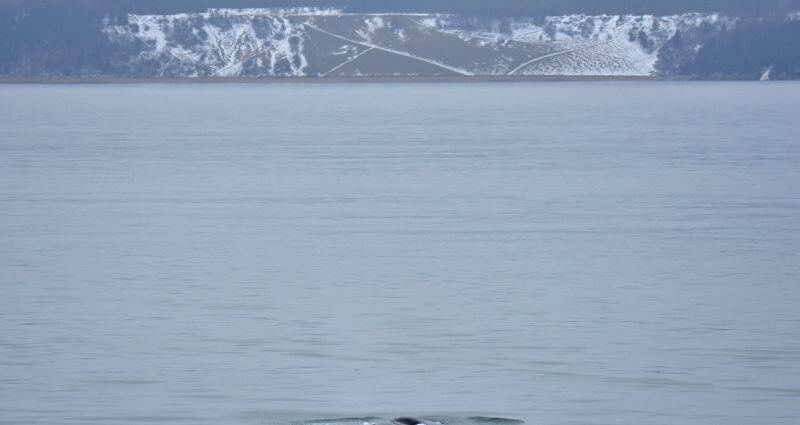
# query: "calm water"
561,253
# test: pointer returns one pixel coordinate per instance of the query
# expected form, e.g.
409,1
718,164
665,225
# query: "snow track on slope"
561,52
347,61
396,52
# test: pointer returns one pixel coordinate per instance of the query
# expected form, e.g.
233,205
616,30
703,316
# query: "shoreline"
312,80
10,80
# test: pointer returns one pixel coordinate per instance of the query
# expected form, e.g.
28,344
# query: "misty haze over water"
560,253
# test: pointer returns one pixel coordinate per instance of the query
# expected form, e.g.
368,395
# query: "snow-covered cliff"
327,42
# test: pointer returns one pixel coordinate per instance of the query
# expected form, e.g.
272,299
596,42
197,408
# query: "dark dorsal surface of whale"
407,420
411,420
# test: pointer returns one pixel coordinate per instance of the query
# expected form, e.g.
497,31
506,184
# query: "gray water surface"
560,253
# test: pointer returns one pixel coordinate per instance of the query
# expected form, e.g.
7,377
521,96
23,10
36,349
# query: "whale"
408,420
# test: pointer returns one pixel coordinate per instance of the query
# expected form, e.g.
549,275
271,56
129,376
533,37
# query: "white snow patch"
374,23
291,11
216,51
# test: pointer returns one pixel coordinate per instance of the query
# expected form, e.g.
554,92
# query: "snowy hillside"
327,42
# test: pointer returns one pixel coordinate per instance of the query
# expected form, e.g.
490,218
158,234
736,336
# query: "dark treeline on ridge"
743,51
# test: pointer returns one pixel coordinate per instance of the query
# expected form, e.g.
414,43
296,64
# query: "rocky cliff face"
314,42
